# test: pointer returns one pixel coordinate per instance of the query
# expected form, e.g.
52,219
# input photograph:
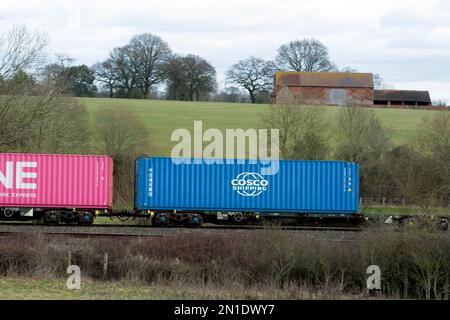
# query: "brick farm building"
344,88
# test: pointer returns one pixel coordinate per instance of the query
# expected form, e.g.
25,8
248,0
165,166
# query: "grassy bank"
161,117
42,289
266,264
380,212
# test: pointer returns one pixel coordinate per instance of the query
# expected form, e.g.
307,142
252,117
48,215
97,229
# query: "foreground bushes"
413,264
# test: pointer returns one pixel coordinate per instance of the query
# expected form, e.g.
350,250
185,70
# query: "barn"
402,98
324,88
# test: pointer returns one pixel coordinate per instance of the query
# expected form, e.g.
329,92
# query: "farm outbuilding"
324,88
402,97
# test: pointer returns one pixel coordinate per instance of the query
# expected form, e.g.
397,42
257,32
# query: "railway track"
133,231
80,235
203,227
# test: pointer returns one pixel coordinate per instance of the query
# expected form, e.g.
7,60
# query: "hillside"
162,117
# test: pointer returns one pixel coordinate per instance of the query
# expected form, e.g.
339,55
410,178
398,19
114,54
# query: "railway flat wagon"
193,190
55,188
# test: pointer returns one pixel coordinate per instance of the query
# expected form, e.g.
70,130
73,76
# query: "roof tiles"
325,79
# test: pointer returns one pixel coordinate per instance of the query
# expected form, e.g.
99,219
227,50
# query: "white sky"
406,41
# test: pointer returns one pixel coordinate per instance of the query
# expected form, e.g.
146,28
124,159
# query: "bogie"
177,219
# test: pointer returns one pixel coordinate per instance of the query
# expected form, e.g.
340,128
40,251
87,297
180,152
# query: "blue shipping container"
297,187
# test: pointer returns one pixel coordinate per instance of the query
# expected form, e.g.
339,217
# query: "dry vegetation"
123,137
413,264
36,116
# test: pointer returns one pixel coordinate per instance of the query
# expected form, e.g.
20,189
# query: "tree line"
146,67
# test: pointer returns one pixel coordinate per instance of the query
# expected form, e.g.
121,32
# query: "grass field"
384,212
55,289
161,117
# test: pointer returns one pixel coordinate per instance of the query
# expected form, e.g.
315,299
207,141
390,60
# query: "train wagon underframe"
54,215
198,217
86,216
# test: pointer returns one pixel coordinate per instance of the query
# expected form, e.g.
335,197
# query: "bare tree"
124,69
105,73
304,55
253,74
20,49
422,174
189,78
136,66
176,78
35,116
56,72
417,177
122,136
434,137
360,135
201,77
78,80
303,130
147,54
361,138
65,129
121,132
434,141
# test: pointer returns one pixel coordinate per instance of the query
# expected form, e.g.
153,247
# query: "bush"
413,264
123,137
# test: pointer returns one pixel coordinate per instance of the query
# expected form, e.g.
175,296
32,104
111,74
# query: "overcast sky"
406,41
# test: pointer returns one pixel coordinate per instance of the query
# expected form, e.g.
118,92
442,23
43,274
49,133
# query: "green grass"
373,211
55,289
161,117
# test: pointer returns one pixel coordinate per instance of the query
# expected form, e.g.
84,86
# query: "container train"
74,189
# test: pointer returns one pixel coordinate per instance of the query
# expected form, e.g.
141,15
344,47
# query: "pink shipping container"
55,181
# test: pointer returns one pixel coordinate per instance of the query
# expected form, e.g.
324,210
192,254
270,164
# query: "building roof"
324,79
402,95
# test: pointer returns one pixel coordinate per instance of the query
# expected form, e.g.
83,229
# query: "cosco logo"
249,184
243,182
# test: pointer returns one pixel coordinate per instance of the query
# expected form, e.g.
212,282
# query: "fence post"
405,285
105,265
446,287
384,201
70,258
